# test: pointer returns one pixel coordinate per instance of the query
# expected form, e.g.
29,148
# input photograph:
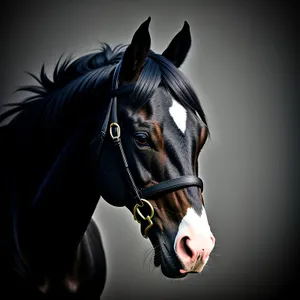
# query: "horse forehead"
178,114
164,106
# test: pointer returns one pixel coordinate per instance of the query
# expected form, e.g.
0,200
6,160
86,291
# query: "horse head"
162,128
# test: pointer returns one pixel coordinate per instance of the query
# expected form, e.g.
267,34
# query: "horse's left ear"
179,47
136,54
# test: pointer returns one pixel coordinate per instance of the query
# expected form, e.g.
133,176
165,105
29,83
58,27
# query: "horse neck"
55,211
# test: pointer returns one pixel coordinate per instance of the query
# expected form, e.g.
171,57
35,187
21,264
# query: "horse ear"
136,53
179,47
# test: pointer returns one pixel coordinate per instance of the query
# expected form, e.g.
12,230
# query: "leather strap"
172,185
115,129
100,136
137,196
111,114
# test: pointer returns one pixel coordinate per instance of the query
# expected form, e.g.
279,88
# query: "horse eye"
141,138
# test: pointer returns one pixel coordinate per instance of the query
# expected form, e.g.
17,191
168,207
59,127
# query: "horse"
123,124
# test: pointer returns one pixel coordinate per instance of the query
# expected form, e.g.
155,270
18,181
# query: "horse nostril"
185,246
194,250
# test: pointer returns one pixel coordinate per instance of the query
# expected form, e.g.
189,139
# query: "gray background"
243,67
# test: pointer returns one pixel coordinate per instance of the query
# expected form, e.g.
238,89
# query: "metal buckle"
148,218
116,125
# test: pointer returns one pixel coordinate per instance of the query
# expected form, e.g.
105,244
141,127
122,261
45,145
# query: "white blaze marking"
178,113
195,223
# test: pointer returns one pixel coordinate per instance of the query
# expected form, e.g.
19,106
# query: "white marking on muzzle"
194,223
178,113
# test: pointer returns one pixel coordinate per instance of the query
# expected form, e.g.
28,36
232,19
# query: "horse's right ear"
136,54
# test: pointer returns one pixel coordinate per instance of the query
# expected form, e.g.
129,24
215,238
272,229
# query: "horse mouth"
164,258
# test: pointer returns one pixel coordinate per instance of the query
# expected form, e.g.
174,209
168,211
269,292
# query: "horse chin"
168,270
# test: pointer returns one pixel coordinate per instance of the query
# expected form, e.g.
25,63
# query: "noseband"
140,194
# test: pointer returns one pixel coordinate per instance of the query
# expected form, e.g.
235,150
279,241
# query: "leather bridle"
111,122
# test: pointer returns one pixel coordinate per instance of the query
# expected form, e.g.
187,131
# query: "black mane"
79,76
70,76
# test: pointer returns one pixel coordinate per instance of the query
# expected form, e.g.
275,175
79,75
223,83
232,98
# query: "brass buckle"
148,218
113,124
